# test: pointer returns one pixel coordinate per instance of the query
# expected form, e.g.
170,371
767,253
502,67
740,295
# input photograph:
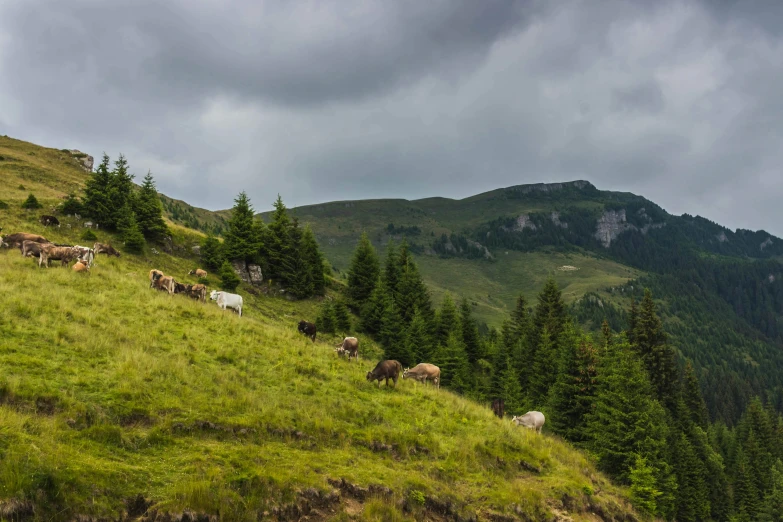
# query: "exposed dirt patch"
13,509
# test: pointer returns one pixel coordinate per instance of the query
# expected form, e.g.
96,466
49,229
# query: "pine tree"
541,352
510,389
746,495
148,210
772,508
692,495
363,273
412,294
312,255
391,271
97,201
571,398
279,250
644,493
326,321
229,280
121,191
296,271
129,230
392,335
342,318
31,203
372,311
211,253
447,320
544,366
470,335
417,340
651,343
452,361
240,242
518,325
692,398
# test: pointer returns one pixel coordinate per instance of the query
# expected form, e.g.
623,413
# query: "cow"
225,300
32,249
154,274
422,372
50,220
198,292
532,419
16,240
198,273
81,266
100,248
163,282
350,346
181,288
389,369
308,329
499,407
64,254
86,254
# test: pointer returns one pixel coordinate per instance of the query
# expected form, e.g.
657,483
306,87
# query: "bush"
229,280
89,235
21,187
71,206
3,204
204,281
31,203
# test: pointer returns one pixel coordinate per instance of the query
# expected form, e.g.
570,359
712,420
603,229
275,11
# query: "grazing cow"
81,266
86,254
100,248
198,292
226,300
181,288
350,345
308,329
154,274
422,372
532,419
499,407
198,272
64,254
389,369
163,282
88,224
32,249
16,240
50,220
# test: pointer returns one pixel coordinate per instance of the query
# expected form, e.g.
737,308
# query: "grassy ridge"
110,389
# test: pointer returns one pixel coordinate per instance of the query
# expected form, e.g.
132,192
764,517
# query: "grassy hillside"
117,400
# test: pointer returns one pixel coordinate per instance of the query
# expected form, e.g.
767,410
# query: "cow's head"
213,295
369,376
191,272
405,373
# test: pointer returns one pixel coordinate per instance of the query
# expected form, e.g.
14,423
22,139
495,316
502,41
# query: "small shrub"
417,497
71,206
21,187
229,280
89,235
31,203
2,158
204,281
31,153
3,204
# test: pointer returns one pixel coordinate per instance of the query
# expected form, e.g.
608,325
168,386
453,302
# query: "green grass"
110,390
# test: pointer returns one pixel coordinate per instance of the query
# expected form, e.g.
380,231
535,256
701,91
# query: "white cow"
226,300
86,254
532,419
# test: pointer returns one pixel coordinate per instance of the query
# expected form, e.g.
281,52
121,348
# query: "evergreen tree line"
287,253
620,396
113,201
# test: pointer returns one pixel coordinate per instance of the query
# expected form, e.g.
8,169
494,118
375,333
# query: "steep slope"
115,398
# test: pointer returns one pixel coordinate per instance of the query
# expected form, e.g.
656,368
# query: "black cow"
499,407
49,220
389,369
308,329
180,288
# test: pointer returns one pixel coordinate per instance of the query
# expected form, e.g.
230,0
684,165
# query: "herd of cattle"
32,245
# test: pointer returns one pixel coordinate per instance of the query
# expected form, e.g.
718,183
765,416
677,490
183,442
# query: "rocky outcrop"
83,158
550,187
555,217
254,272
766,243
523,222
610,225
248,272
722,237
476,244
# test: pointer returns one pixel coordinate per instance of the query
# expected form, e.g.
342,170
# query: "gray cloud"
317,101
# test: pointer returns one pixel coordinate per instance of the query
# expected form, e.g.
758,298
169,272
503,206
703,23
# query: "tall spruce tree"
509,388
571,398
211,253
129,230
651,343
296,271
372,311
121,191
229,280
326,321
772,507
363,273
313,257
392,334
342,319
279,250
544,368
149,211
412,294
692,398
453,363
644,492
97,200
746,494
240,242
470,335
692,493
447,320
392,267
417,339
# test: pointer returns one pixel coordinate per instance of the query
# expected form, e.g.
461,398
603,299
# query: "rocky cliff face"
610,225
248,273
550,187
84,159
524,222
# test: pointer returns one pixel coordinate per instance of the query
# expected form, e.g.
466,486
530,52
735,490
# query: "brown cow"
350,345
62,253
162,282
180,288
308,329
198,273
16,240
198,292
100,248
153,275
32,249
81,266
49,220
389,369
422,372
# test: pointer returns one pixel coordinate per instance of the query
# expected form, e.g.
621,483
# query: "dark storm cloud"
315,100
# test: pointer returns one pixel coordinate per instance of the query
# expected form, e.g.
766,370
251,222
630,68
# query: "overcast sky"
679,101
